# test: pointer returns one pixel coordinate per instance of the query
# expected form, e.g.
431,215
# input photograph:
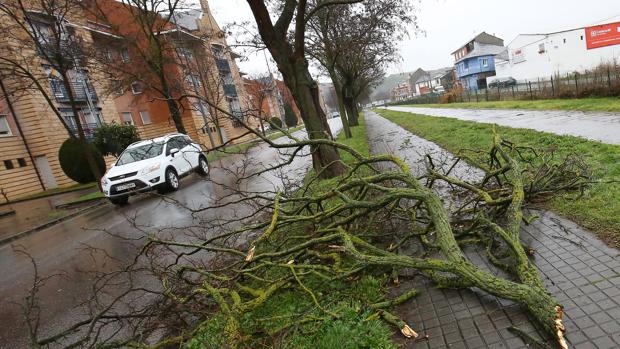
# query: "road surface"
597,126
62,248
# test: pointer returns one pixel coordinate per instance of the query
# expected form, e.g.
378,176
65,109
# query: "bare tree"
286,41
41,34
355,52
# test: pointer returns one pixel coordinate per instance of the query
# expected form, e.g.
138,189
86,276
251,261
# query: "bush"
72,157
289,116
112,139
276,122
452,96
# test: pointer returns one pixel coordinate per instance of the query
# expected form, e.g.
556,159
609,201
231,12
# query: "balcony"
230,90
81,93
222,65
89,129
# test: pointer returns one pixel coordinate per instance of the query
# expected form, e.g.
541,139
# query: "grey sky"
450,23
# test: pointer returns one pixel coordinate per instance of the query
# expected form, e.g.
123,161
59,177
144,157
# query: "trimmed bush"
276,121
289,116
73,161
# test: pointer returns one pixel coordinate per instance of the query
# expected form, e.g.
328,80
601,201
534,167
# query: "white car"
153,164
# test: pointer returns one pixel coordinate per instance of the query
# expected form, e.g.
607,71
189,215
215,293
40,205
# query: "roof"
152,140
483,50
483,38
187,19
434,74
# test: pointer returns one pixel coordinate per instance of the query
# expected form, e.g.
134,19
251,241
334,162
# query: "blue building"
475,61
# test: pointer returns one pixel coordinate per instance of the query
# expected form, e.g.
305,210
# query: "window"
8,164
564,40
185,53
125,55
485,62
176,142
140,153
136,88
21,162
582,38
541,47
193,80
118,87
127,118
146,117
5,130
108,54
465,65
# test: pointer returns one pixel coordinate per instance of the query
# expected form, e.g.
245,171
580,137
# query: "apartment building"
199,67
31,132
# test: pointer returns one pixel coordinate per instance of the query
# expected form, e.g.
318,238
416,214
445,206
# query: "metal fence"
599,83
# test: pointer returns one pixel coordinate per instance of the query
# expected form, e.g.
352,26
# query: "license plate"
126,186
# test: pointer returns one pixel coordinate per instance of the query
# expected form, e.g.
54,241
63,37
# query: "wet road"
62,249
598,126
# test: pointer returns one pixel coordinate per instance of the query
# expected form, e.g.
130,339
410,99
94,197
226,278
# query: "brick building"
200,66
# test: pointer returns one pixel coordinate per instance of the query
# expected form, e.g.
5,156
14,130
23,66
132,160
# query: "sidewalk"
32,213
578,269
598,126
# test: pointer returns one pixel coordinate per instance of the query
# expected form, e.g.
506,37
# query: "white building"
532,56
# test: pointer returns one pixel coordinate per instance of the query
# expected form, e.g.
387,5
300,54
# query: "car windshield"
140,153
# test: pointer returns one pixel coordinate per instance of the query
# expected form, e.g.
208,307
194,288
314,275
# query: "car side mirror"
174,151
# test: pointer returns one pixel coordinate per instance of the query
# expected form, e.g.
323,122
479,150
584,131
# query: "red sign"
603,35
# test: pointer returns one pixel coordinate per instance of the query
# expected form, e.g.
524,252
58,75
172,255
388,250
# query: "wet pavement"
32,213
67,248
577,268
598,126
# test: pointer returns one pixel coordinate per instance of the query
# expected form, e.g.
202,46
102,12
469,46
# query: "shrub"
72,157
112,139
276,122
289,116
452,96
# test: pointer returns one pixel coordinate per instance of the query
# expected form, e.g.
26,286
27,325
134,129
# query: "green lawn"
585,104
241,148
85,198
598,210
56,191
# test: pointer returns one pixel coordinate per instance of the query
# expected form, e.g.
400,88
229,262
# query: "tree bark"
350,105
341,107
293,66
173,108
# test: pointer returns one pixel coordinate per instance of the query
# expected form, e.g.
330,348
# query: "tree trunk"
292,63
341,107
173,108
90,158
350,105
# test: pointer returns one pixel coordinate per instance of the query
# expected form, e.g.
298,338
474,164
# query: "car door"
177,160
193,151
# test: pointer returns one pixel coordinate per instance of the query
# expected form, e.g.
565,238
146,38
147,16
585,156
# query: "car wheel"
120,200
203,166
172,180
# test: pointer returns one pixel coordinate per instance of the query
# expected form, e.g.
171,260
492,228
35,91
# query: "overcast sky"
450,23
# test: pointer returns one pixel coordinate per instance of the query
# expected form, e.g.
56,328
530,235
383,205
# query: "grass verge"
56,191
270,325
241,148
585,104
85,198
598,210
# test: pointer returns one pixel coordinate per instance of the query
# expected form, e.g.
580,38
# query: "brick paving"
598,126
578,269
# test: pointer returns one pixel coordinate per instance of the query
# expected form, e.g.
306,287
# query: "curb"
19,235
7,213
62,206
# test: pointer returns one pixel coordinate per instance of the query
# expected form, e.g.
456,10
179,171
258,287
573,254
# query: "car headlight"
104,181
151,169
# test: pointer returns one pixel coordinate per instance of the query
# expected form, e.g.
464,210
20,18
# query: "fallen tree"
366,222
